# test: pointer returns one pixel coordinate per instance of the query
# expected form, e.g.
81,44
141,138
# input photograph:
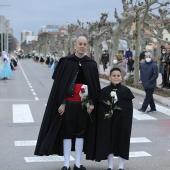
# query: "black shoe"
151,111
121,169
81,167
141,110
109,169
65,168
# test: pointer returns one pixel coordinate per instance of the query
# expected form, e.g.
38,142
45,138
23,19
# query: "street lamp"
2,39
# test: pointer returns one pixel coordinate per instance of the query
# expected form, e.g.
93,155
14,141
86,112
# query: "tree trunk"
136,57
115,47
96,54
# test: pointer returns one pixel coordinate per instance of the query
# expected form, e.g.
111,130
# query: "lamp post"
1,28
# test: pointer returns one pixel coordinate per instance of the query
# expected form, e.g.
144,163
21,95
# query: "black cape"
113,135
50,140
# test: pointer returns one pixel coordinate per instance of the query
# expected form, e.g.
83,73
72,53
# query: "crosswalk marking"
141,116
61,158
46,159
139,140
139,154
22,113
163,109
33,142
26,143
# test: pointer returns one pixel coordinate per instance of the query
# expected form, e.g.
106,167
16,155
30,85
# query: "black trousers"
74,121
149,99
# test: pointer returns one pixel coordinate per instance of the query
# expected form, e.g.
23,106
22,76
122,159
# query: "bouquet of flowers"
84,97
111,106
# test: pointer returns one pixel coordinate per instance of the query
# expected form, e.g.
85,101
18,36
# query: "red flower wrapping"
82,90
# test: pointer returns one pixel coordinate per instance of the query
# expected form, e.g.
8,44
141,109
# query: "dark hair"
115,69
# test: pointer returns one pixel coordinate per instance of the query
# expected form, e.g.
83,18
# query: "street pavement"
160,99
23,100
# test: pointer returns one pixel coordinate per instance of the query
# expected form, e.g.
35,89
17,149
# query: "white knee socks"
121,162
67,151
110,161
78,150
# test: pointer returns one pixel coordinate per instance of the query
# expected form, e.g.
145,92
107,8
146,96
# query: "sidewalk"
162,100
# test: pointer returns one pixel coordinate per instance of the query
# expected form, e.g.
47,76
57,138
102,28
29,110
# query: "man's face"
81,45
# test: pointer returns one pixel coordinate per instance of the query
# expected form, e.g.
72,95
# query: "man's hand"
90,109
61,109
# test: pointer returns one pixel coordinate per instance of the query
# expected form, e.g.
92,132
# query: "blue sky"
32,14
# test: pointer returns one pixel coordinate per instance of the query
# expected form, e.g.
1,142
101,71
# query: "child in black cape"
114,121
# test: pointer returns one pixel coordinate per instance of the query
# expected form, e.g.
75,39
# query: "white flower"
112,94
83,92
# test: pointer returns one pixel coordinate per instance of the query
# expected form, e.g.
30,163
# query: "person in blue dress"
5,70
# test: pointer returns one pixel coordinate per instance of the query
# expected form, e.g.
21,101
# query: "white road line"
33,142
29,84
34,93
32,89
46,159
14,100
139,140
142,116
26,143
36,98
22,113
163,109
139,154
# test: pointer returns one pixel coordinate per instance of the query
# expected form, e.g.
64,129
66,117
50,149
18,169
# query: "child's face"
115,77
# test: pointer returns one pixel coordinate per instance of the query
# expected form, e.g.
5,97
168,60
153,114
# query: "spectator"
105,59
167,70
130,64
148,75
128,54
142,57
118,63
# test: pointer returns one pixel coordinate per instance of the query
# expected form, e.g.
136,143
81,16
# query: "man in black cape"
76,68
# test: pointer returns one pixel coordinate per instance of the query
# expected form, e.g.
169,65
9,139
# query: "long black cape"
50,139
113,135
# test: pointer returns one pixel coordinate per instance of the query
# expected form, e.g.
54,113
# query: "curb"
162,100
